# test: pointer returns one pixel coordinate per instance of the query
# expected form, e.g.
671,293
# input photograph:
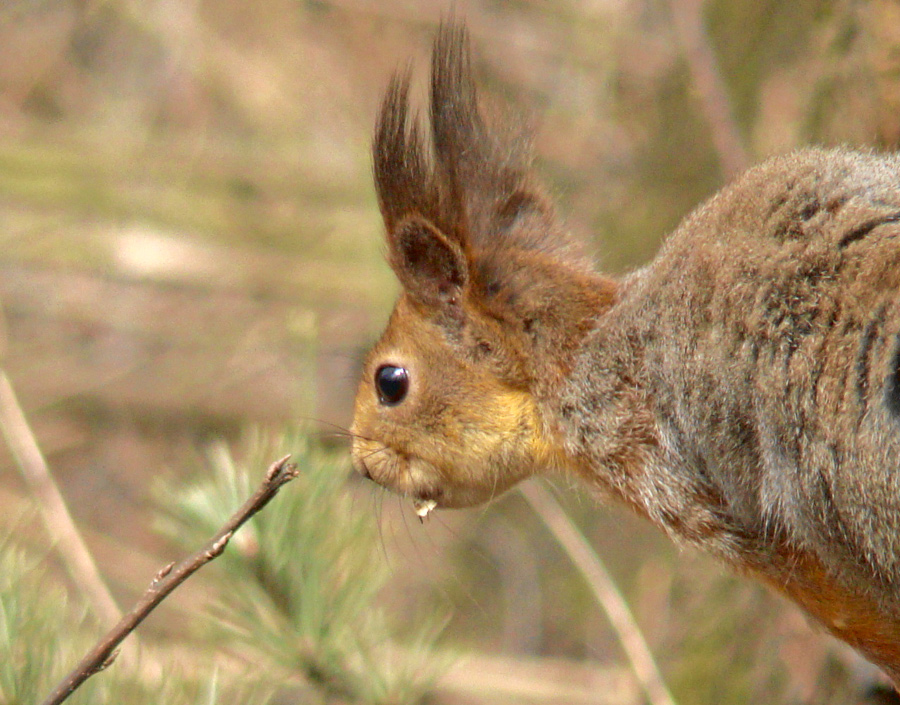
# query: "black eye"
392,384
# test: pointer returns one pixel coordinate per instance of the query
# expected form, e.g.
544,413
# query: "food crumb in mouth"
424,507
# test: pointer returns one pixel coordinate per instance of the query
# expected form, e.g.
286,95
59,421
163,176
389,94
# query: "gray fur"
763,340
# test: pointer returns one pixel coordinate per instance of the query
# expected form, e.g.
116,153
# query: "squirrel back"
742,391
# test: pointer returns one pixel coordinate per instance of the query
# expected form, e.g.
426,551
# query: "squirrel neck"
602,414
606,429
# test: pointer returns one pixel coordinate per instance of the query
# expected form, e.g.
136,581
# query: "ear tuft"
404,178
432,268
460,180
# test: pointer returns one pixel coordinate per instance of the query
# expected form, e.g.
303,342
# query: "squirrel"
741,391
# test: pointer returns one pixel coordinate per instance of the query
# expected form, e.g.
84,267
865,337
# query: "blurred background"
190,246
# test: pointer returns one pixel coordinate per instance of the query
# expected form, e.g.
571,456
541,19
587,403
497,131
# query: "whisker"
403,511
339,431
376,451
378,507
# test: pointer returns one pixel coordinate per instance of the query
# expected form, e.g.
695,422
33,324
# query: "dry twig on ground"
169,578
608,596
51,505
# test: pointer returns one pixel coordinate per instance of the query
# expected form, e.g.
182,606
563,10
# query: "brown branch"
604,588
169,578
687,17
72,548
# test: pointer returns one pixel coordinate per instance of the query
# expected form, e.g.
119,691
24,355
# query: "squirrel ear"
431,267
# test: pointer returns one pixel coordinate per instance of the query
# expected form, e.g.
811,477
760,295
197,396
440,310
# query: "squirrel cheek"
497,450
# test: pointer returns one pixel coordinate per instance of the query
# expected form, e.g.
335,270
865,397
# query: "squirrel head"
495,300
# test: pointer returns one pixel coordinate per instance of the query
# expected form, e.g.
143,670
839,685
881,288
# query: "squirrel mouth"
405,474
424,507
426,502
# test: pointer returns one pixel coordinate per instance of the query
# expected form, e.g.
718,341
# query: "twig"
72,548
169,578
604,589
687,17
